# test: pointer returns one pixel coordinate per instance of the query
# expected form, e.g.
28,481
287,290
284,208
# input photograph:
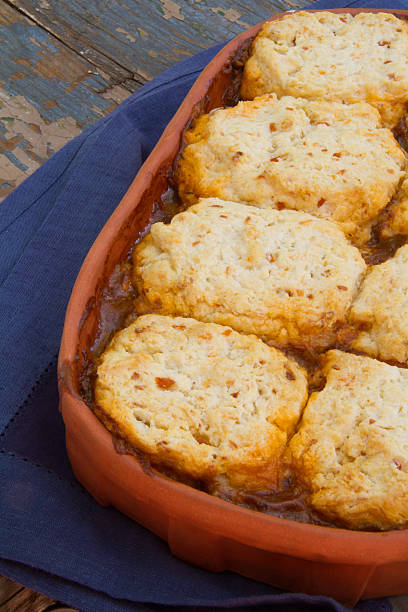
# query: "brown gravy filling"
120,305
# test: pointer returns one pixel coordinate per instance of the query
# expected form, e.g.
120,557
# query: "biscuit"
380,310
283,275
351,452
396,222
201,399
319,157
334,57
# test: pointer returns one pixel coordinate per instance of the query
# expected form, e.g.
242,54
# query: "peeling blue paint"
42,37
21,33
77,103
27,147
18,76
15,161
22,144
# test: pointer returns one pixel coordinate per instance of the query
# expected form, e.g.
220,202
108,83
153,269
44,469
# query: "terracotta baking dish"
199,528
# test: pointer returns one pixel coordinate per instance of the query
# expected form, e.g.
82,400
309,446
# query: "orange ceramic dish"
200,528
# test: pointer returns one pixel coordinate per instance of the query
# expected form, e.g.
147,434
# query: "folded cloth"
54,536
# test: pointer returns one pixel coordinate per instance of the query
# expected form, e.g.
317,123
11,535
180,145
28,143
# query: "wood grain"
16,598
57,81
145,37
48,94
8,589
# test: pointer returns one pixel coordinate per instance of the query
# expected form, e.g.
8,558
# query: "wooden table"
66,63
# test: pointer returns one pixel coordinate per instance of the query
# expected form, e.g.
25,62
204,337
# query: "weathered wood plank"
147,36
47,95
27,140
52,78
25,600
16,598
105,64
8,589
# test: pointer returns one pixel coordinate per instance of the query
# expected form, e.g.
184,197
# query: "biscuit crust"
381,310
335,57
351,449
201,398
316,156
396,222
283,275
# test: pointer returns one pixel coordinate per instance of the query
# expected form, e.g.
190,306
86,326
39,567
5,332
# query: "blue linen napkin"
54,537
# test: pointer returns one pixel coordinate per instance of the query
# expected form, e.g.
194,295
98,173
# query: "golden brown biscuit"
201,398
334,57
286,276
329,159
380,310
396,222
351,449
